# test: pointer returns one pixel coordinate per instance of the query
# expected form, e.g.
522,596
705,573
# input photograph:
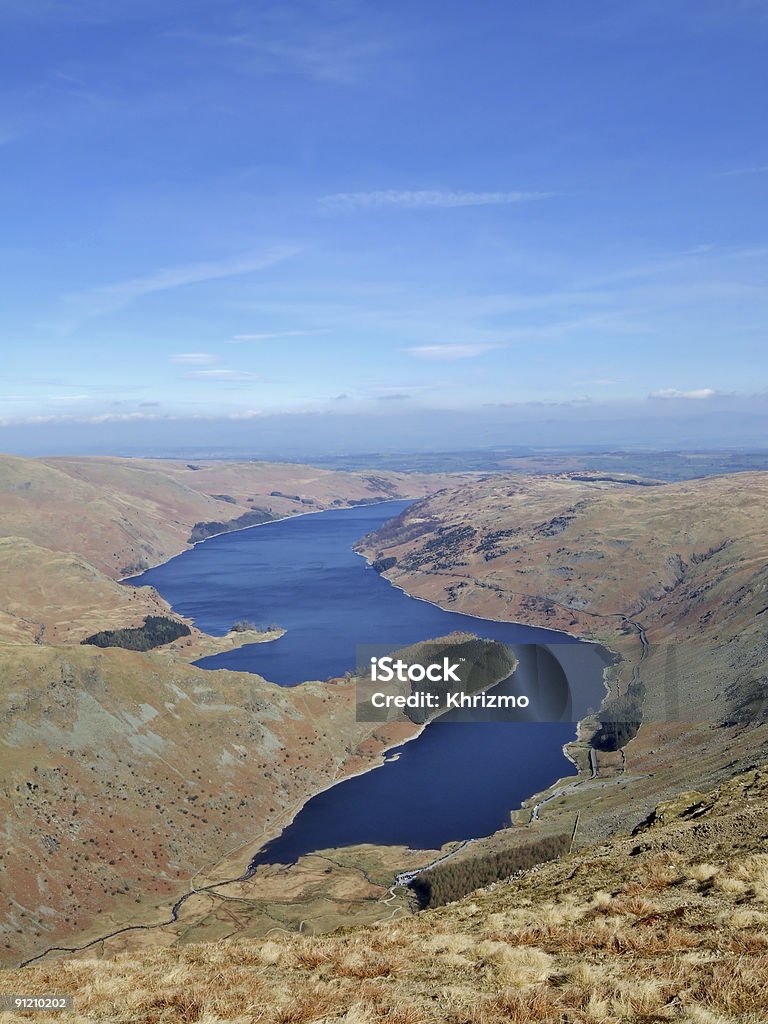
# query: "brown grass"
652,938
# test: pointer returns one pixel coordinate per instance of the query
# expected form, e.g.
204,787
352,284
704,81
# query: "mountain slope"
674,577
126,774
666,925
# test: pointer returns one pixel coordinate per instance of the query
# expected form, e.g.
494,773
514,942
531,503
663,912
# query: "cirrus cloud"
450,352
421,199
222,376
194,358
696,393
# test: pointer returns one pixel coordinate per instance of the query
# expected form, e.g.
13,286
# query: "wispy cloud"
421,199
194,358
450,352
239,339
225,376
110,297
696,393
331,44
739,172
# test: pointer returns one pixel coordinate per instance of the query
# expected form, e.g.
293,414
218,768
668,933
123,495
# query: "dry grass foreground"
666,925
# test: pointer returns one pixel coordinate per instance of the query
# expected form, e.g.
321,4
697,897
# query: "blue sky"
230,212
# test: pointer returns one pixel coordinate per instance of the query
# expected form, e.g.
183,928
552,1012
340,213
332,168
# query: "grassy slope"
70,527
126,774
688,562
666,925
123,773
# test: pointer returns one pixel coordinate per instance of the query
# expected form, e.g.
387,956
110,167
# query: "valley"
96,749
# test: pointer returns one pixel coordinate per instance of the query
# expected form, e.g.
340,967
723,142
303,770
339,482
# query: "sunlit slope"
570,553
126,774
666,925
70,527
125,514
59,597
674,577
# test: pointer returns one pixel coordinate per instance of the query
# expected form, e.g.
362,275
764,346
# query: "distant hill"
71,527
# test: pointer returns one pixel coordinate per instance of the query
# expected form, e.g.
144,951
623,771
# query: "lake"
458,779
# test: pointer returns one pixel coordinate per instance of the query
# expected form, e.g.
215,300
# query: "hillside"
674,577
131,780
124,773
127,774
71,527
668,924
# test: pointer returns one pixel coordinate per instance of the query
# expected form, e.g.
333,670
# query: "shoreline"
254,845
253,526
386,749
552,788
368,565
262,842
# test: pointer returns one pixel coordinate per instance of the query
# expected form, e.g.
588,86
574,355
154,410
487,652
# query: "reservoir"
458,779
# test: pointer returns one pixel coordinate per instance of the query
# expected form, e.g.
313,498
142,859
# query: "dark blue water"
458,779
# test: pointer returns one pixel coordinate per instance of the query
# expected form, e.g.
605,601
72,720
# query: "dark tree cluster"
255,517
621,718
444,549
156,631
454,879
382,564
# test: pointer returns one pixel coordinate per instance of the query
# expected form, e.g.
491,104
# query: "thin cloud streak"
739,172
225,376
110,297
239,339
422,199
450,352
697,394
194,358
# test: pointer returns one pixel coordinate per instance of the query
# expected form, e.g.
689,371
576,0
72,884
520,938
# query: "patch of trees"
621,718
382,564
134,568
156,631
252,518
450,539
454,879
243,626
612,480
225,497
444,549
247,626
554,526
483,663
380,483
